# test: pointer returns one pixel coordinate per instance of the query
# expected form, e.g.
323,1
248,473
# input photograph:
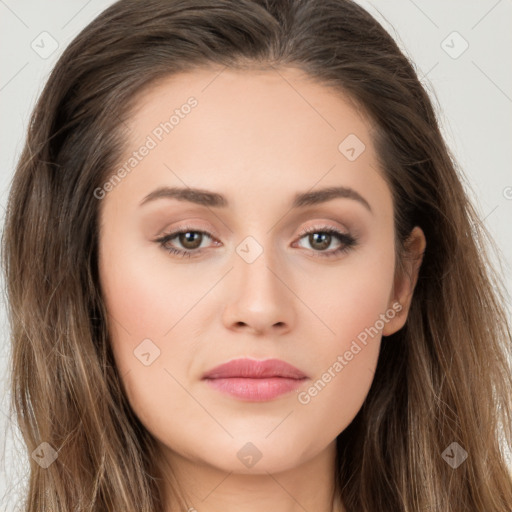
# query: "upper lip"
252,368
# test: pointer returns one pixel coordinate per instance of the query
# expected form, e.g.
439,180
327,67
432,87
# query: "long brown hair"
444,378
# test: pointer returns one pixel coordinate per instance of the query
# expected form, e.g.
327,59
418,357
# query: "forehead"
265,103
250,130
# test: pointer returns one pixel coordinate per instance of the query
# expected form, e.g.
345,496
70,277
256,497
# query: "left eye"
191,241
322,238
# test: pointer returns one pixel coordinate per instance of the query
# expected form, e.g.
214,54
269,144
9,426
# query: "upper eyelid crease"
348,241
216,200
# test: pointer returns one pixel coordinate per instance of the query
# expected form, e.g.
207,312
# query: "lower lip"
255,390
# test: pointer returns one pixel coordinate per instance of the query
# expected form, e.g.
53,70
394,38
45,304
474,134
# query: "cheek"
143,300
354,305
350,298
144,316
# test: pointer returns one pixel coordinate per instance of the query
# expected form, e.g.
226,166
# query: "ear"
405,281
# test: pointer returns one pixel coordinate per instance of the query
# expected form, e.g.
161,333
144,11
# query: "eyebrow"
216,200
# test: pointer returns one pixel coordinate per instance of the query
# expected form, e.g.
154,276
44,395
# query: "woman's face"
248,156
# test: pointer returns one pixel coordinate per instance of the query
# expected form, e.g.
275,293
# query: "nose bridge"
259,296
257,265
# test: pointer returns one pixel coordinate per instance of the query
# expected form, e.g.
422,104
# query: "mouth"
252,380
255,390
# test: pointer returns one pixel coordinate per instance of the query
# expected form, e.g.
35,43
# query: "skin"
258,138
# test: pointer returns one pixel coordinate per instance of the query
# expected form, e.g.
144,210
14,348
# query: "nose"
260,299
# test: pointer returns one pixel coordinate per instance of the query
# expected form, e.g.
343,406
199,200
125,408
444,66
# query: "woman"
243,273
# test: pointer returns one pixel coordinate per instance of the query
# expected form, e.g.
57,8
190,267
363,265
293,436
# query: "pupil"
187,238
323,244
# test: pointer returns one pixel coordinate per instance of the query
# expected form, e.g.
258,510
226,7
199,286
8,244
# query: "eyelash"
347,241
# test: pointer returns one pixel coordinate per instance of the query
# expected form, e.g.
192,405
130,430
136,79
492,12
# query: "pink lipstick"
253,380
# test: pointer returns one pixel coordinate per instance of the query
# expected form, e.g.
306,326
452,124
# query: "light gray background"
472,93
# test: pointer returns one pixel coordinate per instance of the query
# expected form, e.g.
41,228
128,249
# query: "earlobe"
404,284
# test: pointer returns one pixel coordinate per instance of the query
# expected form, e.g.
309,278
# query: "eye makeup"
327,235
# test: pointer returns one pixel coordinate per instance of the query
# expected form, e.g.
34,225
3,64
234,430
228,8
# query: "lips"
255,381
254,369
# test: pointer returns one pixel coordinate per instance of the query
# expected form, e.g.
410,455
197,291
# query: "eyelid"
322,225
345,238
190,226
